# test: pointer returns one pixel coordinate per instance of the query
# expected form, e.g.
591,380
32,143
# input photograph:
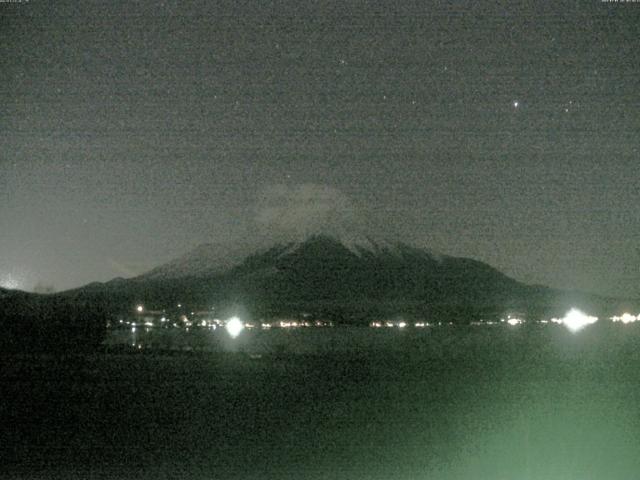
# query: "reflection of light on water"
133,336
234,326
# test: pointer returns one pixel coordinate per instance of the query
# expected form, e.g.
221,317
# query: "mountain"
205,260
324,269
212,259
350,276
344,278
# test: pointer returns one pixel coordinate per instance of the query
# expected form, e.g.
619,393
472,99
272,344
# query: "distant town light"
626,318
576,320
402,324
140,309
234,326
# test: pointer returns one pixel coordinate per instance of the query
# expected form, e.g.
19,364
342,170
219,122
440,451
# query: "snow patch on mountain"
215,259
361,245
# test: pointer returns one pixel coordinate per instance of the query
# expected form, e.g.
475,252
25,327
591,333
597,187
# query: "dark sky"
132,131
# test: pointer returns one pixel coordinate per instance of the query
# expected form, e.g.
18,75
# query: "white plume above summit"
289,216
295,213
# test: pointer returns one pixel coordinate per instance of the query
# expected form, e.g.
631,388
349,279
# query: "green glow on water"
514,403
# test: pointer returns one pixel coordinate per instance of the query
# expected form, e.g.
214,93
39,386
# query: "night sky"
130,132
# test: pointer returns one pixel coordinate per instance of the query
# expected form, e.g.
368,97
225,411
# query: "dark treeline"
52,324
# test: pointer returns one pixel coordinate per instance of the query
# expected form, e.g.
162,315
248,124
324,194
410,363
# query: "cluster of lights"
575,320
185,321
291,324
399,324
626,318
235,326
513,321
298,324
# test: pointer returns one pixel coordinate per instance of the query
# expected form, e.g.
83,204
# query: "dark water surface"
455,403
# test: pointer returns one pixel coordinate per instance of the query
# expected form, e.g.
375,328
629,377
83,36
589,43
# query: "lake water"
355,403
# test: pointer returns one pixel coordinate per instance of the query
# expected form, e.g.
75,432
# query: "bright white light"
234,326
516,103
514,321
402,325
140,309
625,318
576,320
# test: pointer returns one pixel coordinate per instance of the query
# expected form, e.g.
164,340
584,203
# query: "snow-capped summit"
365,245
213,258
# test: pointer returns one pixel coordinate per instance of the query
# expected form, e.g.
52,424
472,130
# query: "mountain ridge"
322,274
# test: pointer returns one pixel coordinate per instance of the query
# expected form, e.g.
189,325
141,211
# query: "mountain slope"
332,277
324,269
205,260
